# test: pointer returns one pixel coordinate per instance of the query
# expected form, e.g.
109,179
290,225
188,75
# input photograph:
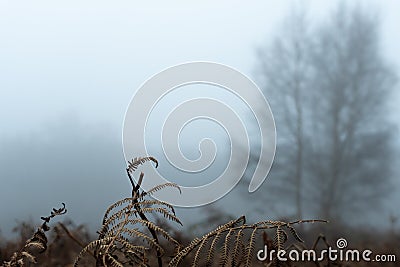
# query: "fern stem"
135,195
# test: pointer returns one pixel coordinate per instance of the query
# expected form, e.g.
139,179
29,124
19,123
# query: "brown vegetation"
133,235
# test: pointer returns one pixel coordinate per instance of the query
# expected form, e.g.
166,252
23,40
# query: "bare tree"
328,88
285,71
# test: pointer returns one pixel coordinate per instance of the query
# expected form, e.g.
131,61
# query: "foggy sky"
68,71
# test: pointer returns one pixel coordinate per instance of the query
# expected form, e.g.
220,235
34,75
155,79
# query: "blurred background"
329,70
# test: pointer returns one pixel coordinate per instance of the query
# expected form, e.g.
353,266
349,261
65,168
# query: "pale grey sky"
89,57
69,69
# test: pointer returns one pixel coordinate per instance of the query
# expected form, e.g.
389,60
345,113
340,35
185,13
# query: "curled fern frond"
136,162
36,244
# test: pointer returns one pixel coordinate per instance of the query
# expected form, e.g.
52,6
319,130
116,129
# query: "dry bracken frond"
238,243
127,234
136,162
159,187
36,244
